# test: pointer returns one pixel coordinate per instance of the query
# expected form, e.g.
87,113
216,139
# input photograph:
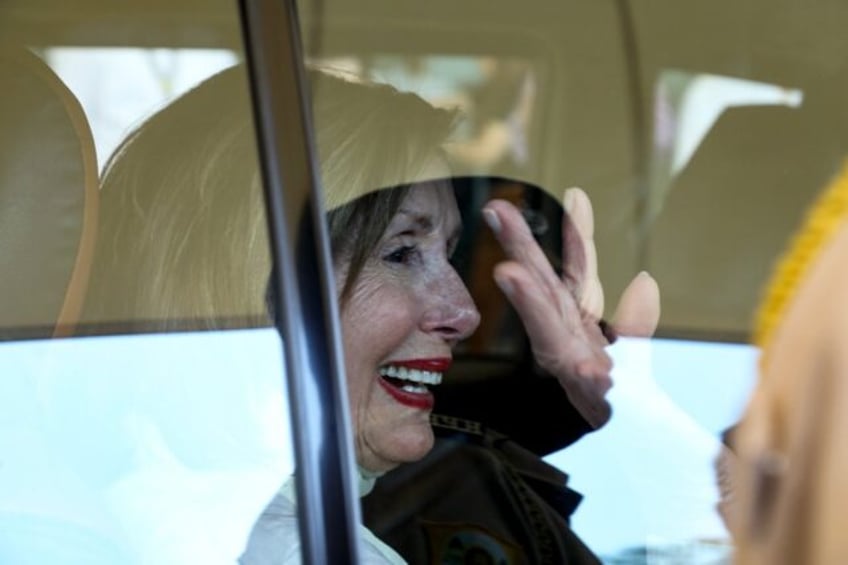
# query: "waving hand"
562,315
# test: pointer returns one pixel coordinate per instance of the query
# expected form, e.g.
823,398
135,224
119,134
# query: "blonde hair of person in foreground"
791,476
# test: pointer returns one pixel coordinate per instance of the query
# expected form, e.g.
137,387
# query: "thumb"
638,311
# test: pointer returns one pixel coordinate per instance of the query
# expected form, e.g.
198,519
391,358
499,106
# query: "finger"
581,258
564,343
638,311
562,339
541,311
517,241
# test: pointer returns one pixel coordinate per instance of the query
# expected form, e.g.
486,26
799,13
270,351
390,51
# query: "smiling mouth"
409,382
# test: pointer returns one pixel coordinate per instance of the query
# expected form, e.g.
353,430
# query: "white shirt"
275,540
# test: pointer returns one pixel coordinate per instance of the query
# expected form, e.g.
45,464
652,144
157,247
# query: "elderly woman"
183,245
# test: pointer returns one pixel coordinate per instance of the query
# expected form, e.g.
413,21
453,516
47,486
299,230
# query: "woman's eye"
400,255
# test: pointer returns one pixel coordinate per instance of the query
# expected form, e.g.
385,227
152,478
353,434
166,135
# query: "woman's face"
406,311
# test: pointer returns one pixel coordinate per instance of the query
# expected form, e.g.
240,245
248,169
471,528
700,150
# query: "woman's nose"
451,312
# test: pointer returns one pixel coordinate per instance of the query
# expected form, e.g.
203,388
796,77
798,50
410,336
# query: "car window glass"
144,434
670,133
700,133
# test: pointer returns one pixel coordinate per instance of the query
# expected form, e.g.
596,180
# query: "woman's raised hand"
562,314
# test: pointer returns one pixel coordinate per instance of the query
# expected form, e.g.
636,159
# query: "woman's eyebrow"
422,221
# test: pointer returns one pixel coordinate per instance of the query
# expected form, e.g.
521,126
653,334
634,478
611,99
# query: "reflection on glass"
119,87
124,449
655,462
686,106
48,194
144,449
496,98
188,426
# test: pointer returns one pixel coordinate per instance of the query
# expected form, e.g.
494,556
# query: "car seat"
48,207
48,200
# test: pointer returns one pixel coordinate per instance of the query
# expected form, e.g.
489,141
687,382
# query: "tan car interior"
726,214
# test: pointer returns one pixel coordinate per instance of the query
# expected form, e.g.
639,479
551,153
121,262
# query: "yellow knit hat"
822,220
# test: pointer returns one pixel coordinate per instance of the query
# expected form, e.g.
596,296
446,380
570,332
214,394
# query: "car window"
700,133
149,432
670,134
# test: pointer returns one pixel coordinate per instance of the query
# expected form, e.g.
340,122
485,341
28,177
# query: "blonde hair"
183,240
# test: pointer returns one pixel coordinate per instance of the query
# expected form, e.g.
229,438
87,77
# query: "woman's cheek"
379,316
390,321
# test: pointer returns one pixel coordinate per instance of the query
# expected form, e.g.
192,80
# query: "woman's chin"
404,446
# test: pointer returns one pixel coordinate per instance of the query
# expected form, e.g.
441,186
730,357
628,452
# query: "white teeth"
414,375
418,389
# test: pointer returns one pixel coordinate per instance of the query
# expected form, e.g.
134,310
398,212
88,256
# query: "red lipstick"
422,401
434,365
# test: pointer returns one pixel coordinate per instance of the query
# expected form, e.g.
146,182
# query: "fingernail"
645,275
492,220
504,285
569,199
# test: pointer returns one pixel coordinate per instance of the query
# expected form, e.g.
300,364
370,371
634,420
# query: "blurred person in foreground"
789,477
